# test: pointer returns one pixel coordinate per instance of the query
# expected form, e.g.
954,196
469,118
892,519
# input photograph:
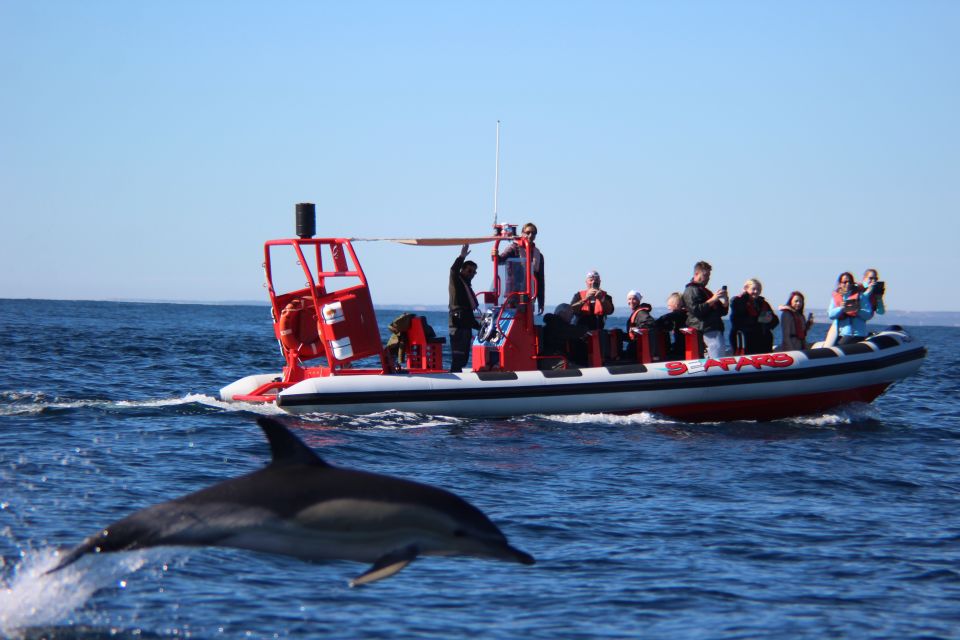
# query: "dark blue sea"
837,525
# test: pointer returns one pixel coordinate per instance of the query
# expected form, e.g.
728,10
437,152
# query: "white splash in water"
391,420
642,418
31,597
27,403
847,414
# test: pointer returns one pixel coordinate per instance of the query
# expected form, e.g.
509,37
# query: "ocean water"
844,524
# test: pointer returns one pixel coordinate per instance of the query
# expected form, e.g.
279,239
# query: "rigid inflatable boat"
336,362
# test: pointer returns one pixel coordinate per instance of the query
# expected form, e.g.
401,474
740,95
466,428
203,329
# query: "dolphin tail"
387,565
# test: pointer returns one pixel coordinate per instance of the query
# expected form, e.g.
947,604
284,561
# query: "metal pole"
496,177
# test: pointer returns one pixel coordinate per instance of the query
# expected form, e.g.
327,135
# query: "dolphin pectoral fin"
387,565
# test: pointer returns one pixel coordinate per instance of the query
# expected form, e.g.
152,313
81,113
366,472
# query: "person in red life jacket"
640,318
592,305
793,326
463,302
873,288
752,320
536,262
705,310
670,324
849,310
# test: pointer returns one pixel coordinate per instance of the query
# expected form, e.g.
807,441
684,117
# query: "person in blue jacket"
849,309
874,289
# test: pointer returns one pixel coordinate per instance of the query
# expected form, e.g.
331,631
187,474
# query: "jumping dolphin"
300,506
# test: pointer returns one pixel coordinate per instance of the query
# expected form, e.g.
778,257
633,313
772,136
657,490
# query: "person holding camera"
874,289
849,309
705,309
593,304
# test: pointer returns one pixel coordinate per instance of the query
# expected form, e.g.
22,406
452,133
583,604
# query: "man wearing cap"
461,307
593,304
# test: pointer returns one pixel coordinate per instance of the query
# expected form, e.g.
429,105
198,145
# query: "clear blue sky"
147,149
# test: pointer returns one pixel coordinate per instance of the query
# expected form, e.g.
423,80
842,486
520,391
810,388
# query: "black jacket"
462,299
702,316
745,318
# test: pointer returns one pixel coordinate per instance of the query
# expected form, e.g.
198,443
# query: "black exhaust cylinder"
306,219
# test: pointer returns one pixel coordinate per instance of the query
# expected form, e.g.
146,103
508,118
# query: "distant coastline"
906,318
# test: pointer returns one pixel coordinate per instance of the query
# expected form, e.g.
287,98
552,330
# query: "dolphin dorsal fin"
286,448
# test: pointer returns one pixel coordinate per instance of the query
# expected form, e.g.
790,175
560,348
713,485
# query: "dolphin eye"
459,533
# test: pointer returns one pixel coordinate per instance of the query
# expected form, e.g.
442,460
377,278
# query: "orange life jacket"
595,309
838,301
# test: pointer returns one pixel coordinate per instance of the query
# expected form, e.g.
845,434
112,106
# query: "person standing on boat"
705,310
463,302
536,261
849,309
752,320
593,304
793,325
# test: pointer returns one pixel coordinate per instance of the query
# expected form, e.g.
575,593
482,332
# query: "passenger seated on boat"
591,307
561,338
752,321
669,326
398,342
640,319
849,310
793,325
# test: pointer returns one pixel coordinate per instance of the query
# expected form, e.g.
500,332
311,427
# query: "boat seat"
423,348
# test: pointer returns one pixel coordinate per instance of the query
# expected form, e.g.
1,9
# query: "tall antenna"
496,177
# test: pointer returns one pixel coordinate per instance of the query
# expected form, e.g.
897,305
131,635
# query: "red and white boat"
336,362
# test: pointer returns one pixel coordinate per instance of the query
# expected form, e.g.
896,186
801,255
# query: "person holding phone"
705,310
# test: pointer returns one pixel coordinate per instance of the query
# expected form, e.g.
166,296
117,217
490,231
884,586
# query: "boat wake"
25,403
848,414
391,420
642,418
854,413
30,597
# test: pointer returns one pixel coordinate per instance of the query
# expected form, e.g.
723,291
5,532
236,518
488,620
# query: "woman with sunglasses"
529,232
849,309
